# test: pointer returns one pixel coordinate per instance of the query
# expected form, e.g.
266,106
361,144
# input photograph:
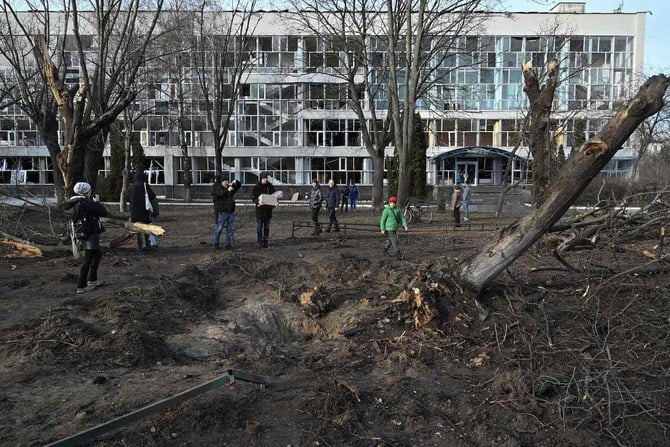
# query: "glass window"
577,44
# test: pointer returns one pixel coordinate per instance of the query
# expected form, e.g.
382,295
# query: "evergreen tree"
138,160
579,137
111,186
418,160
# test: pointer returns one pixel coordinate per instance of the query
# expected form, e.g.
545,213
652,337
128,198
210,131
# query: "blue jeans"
153,240
262,232
225,220
466,209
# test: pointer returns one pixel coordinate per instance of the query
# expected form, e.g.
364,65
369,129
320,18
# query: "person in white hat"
86,213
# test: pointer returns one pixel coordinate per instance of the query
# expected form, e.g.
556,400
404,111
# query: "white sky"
657,44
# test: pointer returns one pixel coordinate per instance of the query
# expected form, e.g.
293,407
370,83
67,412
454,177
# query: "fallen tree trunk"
13,249
136,227
577,174
42,248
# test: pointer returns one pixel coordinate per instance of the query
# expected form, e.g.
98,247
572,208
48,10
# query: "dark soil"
358,349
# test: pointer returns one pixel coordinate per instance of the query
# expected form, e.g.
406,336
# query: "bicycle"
417,213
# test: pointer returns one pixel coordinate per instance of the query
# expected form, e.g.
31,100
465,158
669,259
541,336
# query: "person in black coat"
224,207
138,208
332,200
263,212
86,212
315,202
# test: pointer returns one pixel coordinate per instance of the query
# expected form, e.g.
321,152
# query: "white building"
293,120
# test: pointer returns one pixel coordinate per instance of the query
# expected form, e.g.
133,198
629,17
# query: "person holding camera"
224,207
86,213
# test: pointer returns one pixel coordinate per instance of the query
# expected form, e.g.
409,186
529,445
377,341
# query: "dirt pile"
358,349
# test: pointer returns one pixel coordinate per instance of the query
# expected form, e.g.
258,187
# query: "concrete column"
367,171
168,168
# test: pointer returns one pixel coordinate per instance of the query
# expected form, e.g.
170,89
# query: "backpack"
80,228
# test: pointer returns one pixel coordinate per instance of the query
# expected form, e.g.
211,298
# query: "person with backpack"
224,206
353,195
86,211
392,218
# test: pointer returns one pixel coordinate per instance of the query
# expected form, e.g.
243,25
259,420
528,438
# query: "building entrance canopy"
484,165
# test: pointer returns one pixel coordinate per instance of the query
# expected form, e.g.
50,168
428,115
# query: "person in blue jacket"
353,195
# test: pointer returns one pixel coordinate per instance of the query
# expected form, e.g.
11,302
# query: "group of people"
223,195
86,209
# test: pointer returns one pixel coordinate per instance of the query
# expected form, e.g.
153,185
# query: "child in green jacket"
392,218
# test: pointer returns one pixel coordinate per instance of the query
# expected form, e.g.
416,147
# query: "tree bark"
577,174
539,113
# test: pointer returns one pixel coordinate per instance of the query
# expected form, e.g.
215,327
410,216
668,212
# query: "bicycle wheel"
426,215
408,215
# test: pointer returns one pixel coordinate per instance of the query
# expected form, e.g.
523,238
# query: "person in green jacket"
392,218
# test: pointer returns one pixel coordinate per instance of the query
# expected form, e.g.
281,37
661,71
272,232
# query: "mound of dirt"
358,349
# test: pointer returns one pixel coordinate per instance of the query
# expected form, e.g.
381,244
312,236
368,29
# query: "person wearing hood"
139,212
263,212
86,212
392,218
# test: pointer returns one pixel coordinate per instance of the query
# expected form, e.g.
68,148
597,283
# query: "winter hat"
82,188
264,175
393,199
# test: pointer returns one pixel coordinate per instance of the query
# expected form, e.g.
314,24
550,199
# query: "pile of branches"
617,222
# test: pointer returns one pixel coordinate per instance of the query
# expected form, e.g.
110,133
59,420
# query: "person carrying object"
263,211
138,194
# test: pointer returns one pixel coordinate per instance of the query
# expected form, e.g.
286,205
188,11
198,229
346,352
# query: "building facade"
293,119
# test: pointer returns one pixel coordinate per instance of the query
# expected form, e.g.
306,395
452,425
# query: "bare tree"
653,132
389,53
578,173
351,31
108,44
421,35
28,85
223,52
541,99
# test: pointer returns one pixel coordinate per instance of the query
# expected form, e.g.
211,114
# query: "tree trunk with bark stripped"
592,156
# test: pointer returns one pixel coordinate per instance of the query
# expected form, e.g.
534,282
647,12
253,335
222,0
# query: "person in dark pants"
392,219
86,212
353,195
263,212
344,199
332,200
136,196
224,205
315,202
